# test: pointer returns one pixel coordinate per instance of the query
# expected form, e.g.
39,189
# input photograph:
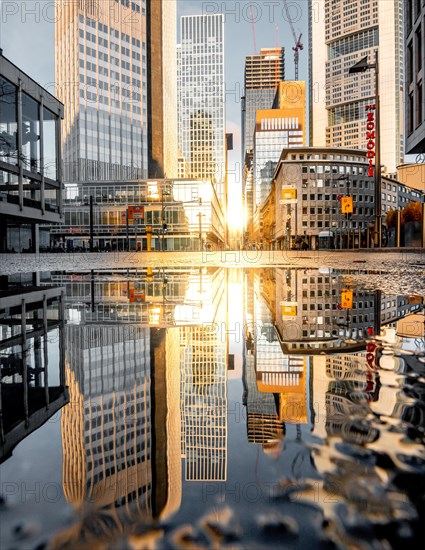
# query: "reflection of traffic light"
164,227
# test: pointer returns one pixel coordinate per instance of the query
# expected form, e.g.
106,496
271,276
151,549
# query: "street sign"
137,293
347,205
289,195
135,213
346,299
289,310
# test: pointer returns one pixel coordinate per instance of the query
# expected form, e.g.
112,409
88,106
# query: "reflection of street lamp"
200,214
165,191
361,67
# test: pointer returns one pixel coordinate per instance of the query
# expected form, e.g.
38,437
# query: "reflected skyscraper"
121,435
204,384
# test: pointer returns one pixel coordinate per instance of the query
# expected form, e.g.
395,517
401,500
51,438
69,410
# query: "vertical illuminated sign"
370,138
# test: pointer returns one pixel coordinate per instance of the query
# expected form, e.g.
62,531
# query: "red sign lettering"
370,136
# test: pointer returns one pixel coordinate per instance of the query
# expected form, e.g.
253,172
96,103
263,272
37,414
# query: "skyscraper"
263,72
201,113
342,33
415,46
110,59
162,88
274,130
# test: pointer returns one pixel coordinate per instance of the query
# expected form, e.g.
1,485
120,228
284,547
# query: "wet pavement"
204,405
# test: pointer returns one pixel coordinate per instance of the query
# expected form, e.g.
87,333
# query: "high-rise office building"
274,130
415,47
263,72
110,60
162,88
341,34
201,107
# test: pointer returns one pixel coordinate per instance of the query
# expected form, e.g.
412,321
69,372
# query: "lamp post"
165,191
347,215
361,67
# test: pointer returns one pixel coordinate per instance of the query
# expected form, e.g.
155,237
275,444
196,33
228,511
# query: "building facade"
141,215
263,72
414,11
162,88
201,99
30,160
277,129
110,60
342,33
306,198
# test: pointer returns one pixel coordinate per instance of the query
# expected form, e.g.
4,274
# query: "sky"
27,39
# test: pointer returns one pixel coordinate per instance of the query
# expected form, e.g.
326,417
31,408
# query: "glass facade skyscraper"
101,73
201,111
263,72
338,100
116,74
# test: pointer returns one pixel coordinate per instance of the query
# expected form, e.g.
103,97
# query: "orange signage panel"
347,205
136,293
346,299
135,213
289,194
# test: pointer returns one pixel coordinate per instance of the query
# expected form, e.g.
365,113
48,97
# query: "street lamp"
165,191
349,207
361,67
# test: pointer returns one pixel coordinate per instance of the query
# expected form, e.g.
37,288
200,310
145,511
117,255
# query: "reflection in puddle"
196,419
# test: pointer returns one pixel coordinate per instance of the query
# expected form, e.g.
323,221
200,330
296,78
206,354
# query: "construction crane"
298,44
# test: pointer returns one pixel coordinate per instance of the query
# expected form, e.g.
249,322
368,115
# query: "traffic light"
164,227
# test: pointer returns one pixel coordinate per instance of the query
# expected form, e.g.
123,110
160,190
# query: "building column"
35,239
3,237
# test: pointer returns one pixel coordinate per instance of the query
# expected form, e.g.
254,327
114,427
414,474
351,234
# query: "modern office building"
275,129
263,72
201,98
30,160
162,88
141,215
111,59
414,11
341,34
